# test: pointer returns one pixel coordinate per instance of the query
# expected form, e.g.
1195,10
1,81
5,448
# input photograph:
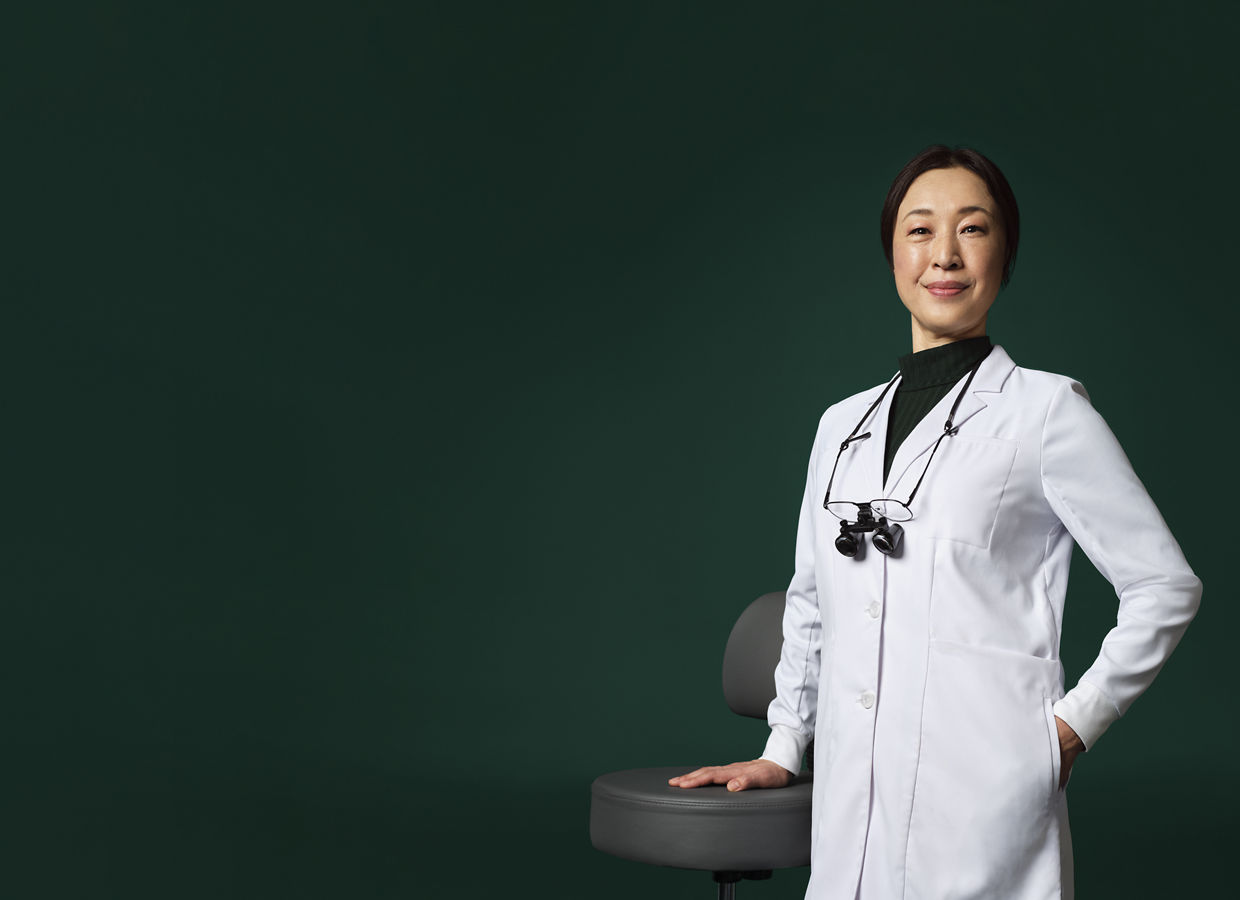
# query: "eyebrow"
962,211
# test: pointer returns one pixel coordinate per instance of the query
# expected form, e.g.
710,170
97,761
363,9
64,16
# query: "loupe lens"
887,538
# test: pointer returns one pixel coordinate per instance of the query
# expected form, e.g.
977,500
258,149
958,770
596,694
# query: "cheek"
991,263
907,262
987,257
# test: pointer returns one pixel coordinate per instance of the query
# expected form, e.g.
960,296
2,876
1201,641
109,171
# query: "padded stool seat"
635,814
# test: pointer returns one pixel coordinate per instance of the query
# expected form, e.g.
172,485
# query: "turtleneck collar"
941,365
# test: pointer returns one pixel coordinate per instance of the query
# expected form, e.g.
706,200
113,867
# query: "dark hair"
940,156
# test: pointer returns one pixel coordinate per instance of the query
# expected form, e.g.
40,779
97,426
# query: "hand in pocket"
1070,745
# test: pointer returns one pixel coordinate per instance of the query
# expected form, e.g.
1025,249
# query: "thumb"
738,783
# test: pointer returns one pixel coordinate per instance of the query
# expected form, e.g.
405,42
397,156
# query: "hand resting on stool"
756,773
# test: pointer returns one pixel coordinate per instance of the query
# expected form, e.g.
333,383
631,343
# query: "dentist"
922,626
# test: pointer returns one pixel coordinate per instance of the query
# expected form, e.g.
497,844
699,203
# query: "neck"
924,339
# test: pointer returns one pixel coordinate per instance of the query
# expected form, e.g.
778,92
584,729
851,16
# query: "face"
947,256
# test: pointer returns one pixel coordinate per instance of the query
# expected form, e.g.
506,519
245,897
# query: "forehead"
944,191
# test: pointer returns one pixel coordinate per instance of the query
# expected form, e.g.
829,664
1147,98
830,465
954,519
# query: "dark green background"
401,401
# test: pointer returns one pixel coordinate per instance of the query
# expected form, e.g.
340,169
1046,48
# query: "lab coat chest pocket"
960,497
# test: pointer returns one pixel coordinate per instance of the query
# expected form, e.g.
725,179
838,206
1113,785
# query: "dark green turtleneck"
925,378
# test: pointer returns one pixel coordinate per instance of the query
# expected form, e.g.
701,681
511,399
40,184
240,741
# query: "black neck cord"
949,428
857,437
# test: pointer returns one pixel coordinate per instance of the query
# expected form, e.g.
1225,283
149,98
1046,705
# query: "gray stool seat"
635,814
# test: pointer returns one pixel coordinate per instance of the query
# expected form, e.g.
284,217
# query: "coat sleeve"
1089,483
791,714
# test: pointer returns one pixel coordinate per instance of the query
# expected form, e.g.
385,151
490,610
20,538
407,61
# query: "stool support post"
727,883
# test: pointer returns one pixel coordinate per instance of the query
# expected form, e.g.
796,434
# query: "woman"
921,636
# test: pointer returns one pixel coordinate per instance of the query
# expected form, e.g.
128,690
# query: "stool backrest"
752,654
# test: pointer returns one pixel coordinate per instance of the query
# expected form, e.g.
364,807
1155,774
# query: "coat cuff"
1087,710
785,747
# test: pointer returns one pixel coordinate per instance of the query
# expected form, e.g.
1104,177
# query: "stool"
635,814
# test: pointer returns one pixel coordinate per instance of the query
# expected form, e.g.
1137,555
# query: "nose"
947,252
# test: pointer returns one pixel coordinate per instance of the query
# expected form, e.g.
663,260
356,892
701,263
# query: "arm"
1092,488
791,713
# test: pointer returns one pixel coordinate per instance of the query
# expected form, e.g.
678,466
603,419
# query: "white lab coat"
931,680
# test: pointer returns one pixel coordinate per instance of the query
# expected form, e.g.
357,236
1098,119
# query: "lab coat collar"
990,379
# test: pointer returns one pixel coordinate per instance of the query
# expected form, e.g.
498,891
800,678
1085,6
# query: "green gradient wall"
401,401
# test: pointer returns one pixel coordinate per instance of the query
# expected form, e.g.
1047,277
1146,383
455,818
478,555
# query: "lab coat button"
873,609
866,699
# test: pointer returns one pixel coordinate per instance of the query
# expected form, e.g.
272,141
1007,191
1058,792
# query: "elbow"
1167,598
1188,588
1194,593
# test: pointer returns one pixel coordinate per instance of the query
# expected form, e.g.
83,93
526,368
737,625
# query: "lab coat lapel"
905,470
875,447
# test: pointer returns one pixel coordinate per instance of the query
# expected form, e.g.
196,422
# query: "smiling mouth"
945,288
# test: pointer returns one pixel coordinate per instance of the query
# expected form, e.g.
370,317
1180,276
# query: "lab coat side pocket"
1052,731
981,815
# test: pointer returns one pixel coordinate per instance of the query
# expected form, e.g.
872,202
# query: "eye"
973,229
920,229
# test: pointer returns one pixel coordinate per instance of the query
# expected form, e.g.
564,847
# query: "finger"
758,777
685,780
695,774
692,783
709,775
746,778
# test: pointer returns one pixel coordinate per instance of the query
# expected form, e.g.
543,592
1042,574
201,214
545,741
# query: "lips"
945,288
